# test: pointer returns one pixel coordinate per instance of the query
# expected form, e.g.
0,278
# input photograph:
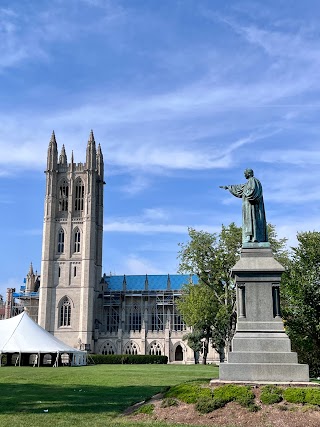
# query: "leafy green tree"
210,307
300,299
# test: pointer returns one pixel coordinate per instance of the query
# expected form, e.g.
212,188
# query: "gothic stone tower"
71,267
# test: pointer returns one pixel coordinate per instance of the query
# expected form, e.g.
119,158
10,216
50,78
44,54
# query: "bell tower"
71,266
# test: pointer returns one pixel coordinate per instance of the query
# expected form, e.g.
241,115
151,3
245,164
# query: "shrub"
188,392
169,401
312,396
208,404
132,359
230,392
295,395
270,394
145,409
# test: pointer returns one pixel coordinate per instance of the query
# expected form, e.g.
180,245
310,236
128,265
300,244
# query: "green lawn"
82,396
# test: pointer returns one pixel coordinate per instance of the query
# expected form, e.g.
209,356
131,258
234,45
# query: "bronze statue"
254,225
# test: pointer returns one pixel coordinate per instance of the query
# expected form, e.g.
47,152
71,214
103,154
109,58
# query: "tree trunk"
205,352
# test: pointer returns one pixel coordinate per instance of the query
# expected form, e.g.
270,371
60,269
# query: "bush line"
128,359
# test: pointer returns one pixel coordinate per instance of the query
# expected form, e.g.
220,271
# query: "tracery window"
65,312
107,349
61,241
63,196
77,236
155,349
79,196
131,348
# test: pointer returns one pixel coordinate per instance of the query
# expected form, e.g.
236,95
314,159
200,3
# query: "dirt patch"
278,415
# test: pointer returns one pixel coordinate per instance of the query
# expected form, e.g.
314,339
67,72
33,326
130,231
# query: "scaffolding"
24,301
156,310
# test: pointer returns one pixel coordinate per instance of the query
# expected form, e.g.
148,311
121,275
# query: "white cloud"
12,282
134,264
155,213
141,227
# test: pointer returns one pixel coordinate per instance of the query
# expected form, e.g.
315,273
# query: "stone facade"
72,300
71,266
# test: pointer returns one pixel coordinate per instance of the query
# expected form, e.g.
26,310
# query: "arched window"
63,196
107,349
155,349
79,196
65,312
131,348
74,271
61,241
77,236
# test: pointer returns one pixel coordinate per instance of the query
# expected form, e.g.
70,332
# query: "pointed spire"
72,160
52,153
91,152
63,156
31,269
91,137
53,138
100,166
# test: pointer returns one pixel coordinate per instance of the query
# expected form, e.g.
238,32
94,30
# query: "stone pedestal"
261,350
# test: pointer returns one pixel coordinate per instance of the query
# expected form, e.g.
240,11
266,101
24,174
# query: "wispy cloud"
135,264
127,226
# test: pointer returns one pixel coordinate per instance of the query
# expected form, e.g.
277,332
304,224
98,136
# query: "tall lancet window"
79,196
63,196
60,241
77,237
65,312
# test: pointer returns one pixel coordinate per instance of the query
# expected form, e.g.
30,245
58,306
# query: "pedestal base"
264,372
261,349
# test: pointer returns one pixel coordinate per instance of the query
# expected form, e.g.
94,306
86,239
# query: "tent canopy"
21,334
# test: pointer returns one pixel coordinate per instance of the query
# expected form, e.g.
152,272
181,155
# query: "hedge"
127,359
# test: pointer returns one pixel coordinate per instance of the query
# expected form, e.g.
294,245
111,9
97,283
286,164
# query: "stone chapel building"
72,299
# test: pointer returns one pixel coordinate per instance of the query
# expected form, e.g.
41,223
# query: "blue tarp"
152,282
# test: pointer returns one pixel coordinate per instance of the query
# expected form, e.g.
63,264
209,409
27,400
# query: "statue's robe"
254,225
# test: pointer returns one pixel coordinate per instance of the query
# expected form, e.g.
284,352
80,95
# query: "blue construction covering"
152,282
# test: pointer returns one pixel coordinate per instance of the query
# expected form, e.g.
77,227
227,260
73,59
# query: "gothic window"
61,241
157,318
131,348
63,196
155,349
107,349
79,196
178,324
74,271
112,318
65,312
77,236
134,318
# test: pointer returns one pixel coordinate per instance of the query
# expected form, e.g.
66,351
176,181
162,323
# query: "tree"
300,299
210,307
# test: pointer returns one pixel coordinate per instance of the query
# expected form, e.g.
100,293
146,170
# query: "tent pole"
39,359
19,359
0,358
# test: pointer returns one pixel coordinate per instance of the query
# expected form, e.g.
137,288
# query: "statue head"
248,173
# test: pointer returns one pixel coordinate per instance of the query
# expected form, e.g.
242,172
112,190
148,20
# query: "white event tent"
25,342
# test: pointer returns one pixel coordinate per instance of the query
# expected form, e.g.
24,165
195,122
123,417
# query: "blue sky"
181,95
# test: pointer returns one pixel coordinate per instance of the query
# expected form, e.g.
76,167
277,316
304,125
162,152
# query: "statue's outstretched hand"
225,187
